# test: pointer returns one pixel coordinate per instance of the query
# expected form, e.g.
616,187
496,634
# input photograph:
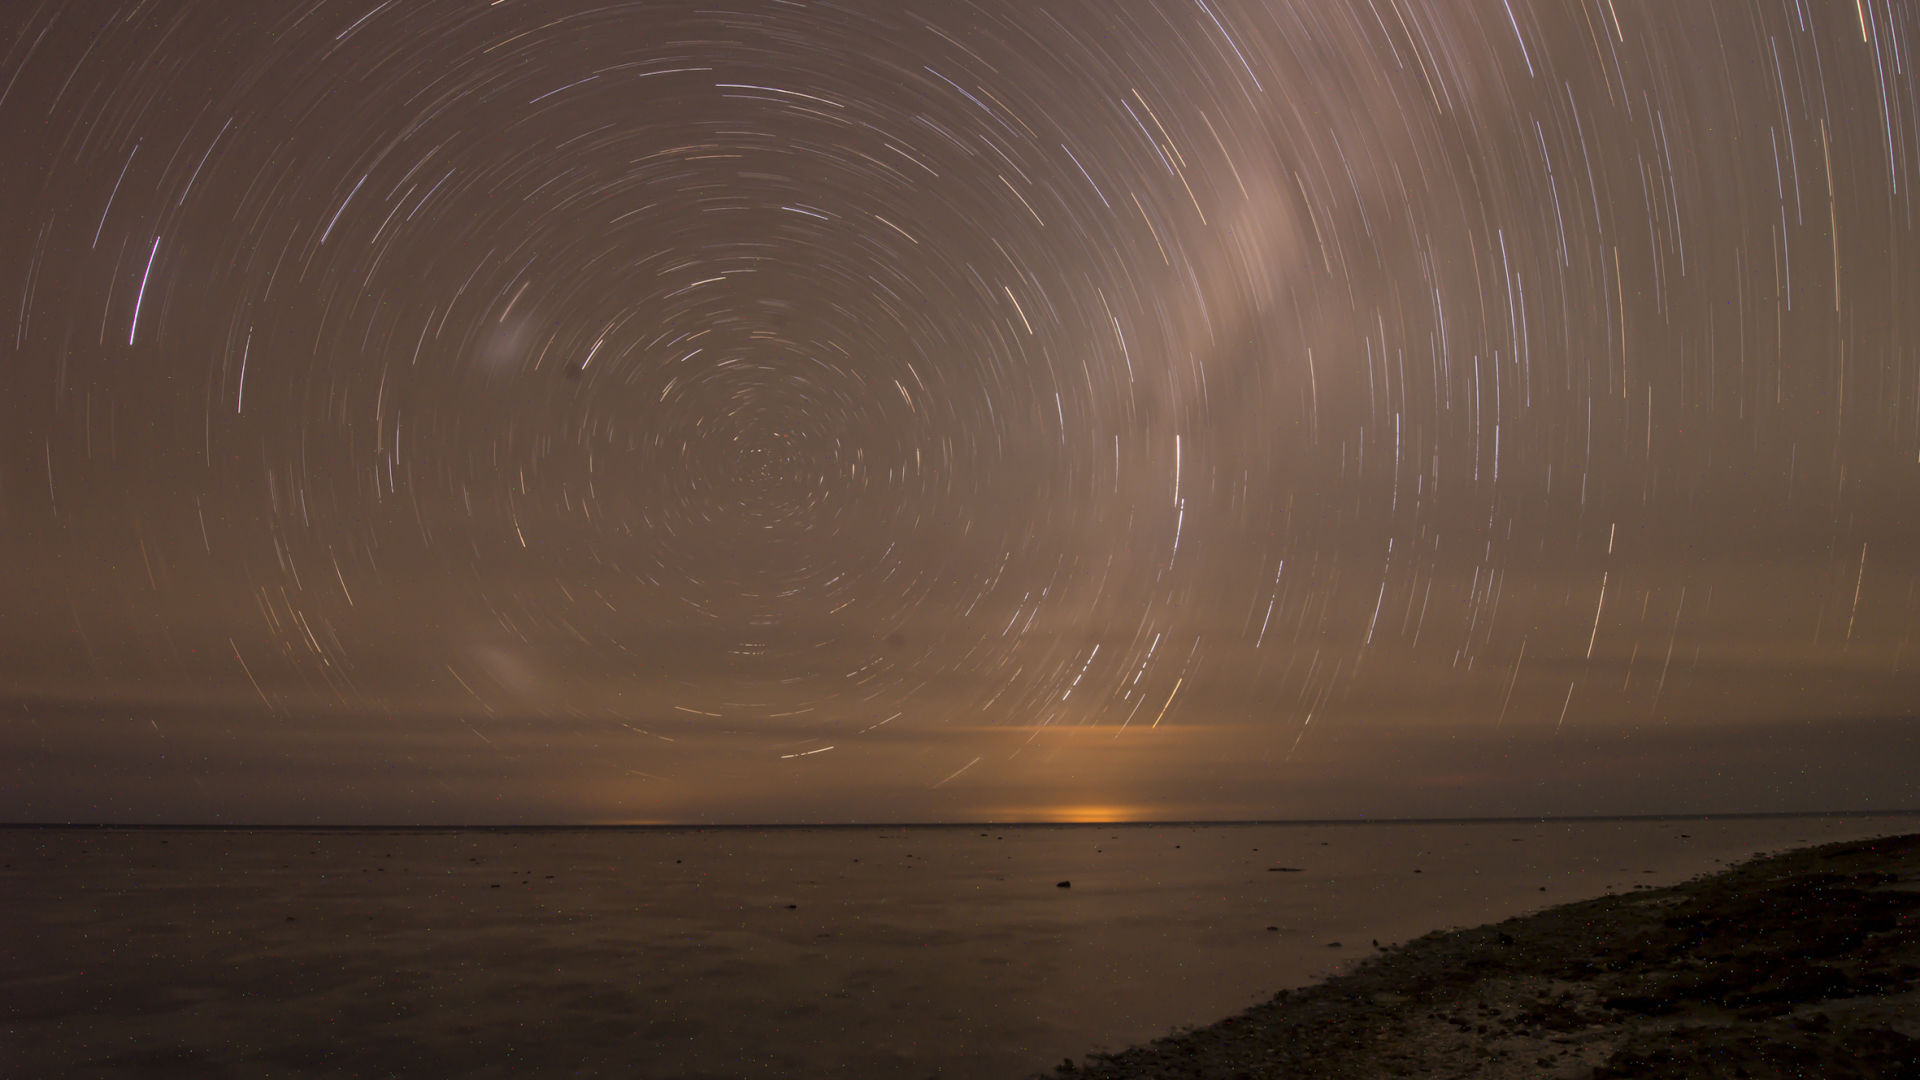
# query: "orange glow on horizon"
1082,814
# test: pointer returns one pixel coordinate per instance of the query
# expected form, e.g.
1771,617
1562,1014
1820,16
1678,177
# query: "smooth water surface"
859,952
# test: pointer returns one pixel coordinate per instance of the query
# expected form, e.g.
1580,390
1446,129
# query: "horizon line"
1544,819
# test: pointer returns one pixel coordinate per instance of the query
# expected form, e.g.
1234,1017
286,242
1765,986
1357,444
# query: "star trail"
776,410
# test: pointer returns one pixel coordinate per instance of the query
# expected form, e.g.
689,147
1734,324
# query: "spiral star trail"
791,411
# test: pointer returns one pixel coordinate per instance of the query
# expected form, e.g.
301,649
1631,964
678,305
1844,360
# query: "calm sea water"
873,952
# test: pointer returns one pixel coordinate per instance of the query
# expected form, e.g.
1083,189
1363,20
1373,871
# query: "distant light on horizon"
1239,409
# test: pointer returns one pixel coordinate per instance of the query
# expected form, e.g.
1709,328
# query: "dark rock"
1063,885
1642,1004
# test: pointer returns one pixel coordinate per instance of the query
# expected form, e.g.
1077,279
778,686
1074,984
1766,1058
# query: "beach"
882,953
1799,965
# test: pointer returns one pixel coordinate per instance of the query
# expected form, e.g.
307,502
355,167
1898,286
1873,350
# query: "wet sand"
1797,965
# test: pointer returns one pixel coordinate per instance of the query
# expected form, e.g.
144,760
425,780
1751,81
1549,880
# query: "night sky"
755,410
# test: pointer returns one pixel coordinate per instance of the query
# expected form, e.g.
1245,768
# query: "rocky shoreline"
1794,965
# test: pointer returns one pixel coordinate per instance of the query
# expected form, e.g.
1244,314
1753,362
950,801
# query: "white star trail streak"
1243,406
